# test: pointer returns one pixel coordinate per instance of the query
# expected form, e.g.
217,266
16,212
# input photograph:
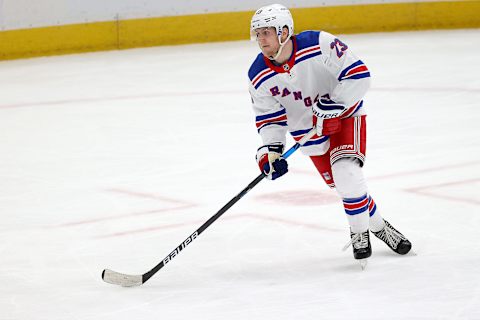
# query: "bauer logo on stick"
180,247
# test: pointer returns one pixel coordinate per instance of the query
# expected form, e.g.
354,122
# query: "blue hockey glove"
270,161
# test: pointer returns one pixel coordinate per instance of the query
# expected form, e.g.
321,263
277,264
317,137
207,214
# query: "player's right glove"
270,161
326,115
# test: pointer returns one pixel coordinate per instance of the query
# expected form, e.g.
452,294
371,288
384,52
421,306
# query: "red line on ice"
237,216
402,173
423,190
414,172
180,205
122,216
149,229
199,93
149,196
117,98
288,222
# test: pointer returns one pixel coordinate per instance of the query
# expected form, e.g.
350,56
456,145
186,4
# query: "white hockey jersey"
282,96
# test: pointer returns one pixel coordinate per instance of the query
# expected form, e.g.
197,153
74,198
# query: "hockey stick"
127,280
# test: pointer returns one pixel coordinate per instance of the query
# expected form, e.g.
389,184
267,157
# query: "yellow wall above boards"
122,34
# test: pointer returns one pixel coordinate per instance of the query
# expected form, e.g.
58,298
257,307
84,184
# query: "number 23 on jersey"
339,46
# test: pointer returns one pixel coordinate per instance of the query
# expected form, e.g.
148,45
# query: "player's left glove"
270,161
326,116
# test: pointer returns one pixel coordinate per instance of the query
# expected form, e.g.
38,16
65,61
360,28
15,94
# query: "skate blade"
363,263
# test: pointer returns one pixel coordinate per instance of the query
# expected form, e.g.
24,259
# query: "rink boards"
226,26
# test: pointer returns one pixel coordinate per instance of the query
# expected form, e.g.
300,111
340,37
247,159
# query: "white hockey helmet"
274,15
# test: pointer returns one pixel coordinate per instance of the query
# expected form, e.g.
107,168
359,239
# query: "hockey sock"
376,220
357,213
351,186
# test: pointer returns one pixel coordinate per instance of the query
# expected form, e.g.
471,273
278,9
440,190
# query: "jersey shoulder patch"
308,39
308,45
259,71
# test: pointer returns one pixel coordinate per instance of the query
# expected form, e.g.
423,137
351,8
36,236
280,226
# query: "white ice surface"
110,160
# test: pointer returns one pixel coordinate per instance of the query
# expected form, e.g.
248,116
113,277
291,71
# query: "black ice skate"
394,239
361,247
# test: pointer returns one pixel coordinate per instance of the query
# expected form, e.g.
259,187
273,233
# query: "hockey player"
313,79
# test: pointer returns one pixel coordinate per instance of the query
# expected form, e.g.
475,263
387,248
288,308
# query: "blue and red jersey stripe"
372,207
276,118
316,139
354,206
357,70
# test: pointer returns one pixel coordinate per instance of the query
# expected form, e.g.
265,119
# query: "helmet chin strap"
279,50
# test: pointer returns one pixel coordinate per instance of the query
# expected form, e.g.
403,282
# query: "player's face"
267,41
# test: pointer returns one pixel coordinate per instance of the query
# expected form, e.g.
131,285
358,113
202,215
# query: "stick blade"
120,279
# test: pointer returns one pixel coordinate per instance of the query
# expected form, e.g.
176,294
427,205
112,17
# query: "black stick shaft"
202,228
217,215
